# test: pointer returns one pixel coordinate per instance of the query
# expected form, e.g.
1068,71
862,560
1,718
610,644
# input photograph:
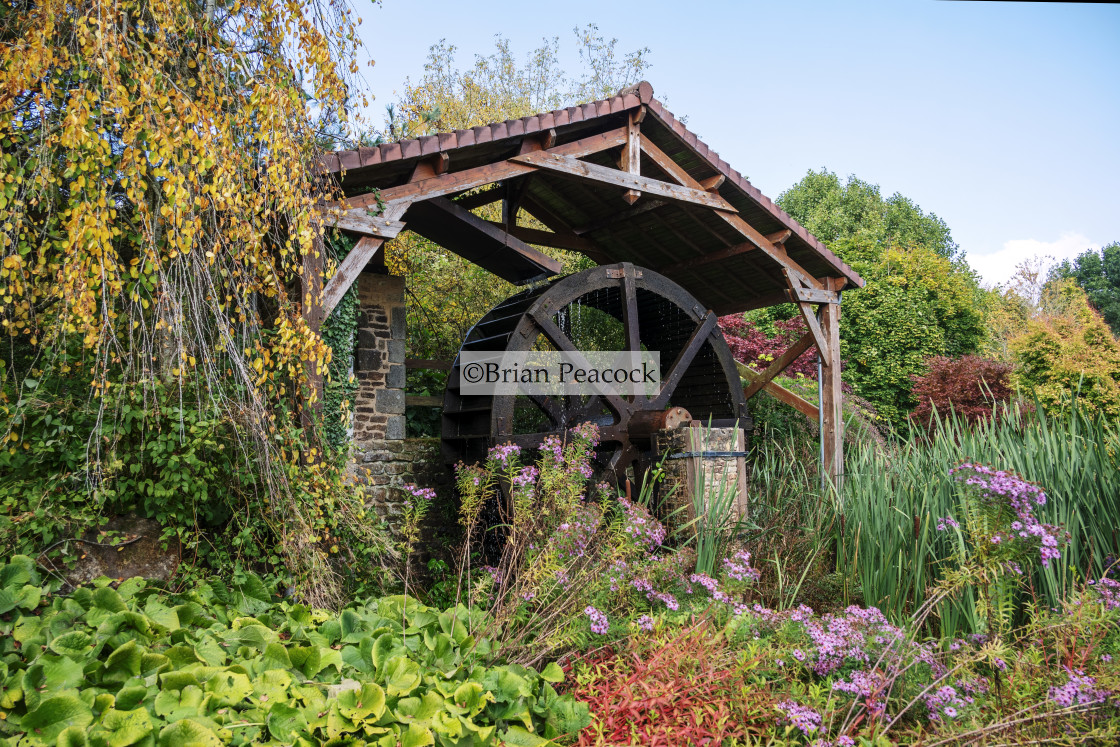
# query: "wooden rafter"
809,315
620,217
559,240
480,241
363,222
775,252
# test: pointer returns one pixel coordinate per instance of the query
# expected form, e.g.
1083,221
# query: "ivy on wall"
339,332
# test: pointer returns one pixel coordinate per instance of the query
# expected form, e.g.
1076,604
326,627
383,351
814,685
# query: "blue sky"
1002,118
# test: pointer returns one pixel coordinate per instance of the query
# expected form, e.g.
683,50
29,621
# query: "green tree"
921,299
447,294
1098,274
1069,350
836,212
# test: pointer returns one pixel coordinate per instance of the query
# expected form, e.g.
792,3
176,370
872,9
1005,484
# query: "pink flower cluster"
599,622
1005,489
803,717
738,567
944,703
1078,690
424,494
1109,592
647,532
504,455
871,686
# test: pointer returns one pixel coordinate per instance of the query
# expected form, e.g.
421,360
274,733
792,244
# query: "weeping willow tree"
157,201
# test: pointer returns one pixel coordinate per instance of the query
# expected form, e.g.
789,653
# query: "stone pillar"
693,465
379,360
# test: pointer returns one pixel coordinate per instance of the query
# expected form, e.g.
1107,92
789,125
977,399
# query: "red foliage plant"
751,346
669,689
970,385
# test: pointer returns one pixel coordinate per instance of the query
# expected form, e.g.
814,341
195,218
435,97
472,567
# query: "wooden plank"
783,395
575,168
480,198
360,221
479,241
781,364
568,241
428,364
419,400
478,176
631,161
619,217
808,314
716,256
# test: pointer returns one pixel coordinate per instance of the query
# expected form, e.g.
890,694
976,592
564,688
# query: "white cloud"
997,267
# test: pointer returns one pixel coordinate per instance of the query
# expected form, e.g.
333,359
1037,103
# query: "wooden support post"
311,298
631,161
832,417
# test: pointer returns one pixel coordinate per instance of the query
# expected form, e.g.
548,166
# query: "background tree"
156,204
1066,350
447,294
1098,274
921,300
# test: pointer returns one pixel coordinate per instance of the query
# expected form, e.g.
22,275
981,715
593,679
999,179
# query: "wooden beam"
361,221
568,241
713,183
809,315
631,161
426,168
480,198
716,256
783,395
353,264
459,181
479,241
544,141
582,170
781,364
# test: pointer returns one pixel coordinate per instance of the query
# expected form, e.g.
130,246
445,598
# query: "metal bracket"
693,454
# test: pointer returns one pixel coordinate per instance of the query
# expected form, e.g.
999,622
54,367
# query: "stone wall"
385,465
382,459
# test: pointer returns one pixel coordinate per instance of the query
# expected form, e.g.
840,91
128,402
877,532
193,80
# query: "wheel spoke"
630,313
557,337
683,361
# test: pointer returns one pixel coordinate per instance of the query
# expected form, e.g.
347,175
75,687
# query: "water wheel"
611,307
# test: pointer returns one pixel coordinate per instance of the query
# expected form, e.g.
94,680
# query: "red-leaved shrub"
669,688
751,346
970,385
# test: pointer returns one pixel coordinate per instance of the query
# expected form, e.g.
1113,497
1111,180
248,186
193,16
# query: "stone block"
368,360
366,339
396,351
395,377
395,427
397,326
390,401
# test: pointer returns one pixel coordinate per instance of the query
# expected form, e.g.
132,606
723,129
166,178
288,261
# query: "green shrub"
134,665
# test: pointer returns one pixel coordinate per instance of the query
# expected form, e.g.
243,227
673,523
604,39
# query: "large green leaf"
54,715
108,599
285,722
275,656
19,570
401,676
417,736
74,644
229,688
552,673
124,662
515,736
121,728
187,733
364,705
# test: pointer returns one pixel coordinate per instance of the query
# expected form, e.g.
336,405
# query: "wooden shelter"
618,180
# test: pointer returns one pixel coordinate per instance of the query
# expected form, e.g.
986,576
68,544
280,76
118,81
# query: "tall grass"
891,499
